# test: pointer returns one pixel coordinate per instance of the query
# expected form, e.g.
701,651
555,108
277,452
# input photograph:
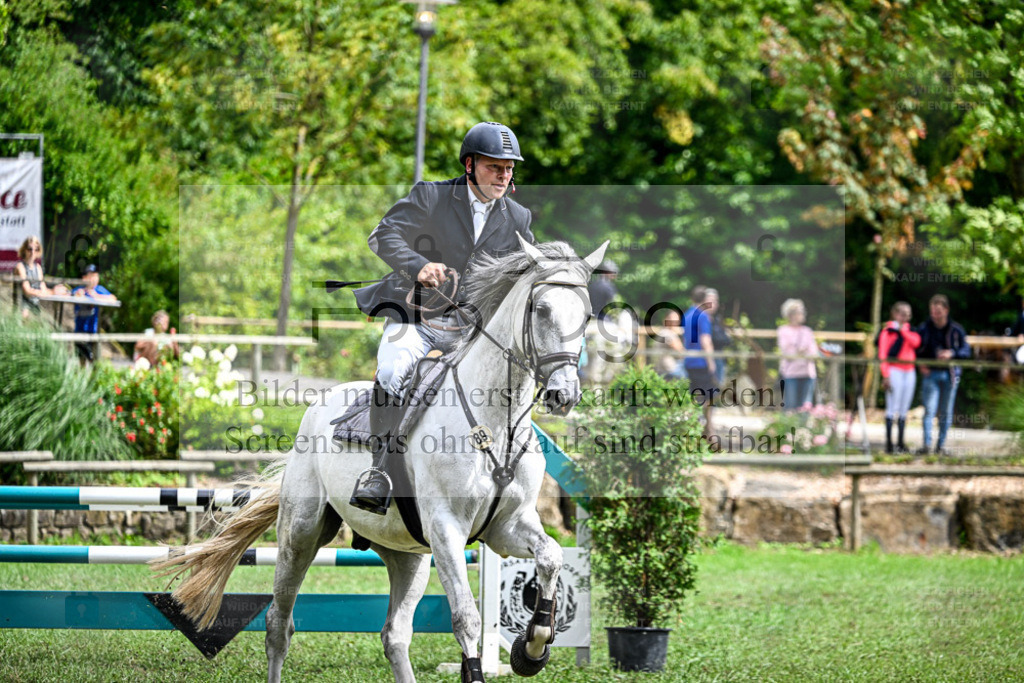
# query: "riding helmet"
490,139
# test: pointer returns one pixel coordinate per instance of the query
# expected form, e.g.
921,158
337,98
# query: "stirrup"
376,504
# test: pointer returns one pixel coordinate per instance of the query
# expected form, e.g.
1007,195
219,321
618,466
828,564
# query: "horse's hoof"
522,663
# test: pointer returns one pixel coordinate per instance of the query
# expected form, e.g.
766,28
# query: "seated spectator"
33,286
87,318
152,349
897,348
797,339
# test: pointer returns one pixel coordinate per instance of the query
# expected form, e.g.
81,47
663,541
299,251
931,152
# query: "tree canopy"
910,110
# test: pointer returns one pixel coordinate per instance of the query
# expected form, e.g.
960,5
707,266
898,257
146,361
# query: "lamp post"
425,27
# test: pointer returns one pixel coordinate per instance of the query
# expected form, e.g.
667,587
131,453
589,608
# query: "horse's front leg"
448,543
530,650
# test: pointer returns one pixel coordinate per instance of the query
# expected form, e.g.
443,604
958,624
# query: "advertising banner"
21,206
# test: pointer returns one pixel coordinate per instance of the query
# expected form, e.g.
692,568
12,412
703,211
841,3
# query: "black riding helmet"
490,139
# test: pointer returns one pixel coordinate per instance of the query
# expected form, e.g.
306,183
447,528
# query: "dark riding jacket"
434,224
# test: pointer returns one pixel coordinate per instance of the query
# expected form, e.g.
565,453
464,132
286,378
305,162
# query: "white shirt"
480,212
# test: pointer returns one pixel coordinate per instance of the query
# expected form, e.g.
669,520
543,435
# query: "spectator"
797,339
602,288
670,365
87,318
719,335
943,339
151,349
33,286
897,348
700,369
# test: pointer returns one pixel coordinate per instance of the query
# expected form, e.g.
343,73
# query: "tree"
846,75
284,95
105,191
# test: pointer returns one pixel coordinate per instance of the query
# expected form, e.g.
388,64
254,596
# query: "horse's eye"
544,310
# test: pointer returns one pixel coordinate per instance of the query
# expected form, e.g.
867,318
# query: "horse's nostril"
556,397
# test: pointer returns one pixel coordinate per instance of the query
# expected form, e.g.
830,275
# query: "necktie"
479,217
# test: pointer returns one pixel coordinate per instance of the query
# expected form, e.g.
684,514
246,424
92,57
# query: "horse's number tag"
481,437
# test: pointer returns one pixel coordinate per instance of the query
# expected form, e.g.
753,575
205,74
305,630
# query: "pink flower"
131,437
819,440
785,448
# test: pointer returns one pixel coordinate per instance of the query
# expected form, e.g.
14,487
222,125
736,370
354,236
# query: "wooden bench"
227,456
912,471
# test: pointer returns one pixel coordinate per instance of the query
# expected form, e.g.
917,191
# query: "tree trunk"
870,374
294,207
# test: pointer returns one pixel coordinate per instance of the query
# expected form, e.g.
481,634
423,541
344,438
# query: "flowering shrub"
212,417
810,430
142,403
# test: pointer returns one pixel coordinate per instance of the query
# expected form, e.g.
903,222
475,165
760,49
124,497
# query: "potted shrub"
644,440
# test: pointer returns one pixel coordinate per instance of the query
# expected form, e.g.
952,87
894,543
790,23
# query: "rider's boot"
373,487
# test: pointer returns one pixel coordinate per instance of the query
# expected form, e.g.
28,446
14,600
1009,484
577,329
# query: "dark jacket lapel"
460,205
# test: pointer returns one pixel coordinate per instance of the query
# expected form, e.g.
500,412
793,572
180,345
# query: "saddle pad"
423,390
354,423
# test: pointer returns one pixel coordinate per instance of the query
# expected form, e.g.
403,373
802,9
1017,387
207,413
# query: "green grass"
768,614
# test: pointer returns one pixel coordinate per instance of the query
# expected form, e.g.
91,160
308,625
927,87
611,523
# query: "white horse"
534,307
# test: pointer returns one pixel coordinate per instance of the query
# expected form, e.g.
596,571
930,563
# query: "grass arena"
766,613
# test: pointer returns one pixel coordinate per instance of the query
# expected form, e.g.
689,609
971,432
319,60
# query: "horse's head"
554,325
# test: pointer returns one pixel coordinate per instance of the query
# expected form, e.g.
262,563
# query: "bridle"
559,359
528,359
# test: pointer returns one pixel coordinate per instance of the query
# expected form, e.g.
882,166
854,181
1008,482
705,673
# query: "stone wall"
922,518
165,527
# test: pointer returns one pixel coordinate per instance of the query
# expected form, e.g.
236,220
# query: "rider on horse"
434,233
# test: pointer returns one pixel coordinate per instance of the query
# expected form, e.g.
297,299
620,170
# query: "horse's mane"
493,277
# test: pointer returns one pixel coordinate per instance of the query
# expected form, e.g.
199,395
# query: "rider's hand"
432,275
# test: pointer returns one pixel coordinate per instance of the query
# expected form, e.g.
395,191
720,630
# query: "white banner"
572,609
21,206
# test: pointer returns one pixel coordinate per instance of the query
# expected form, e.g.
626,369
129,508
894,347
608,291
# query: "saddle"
423,387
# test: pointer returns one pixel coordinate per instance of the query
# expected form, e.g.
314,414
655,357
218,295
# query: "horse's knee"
395,646
467,621
549,558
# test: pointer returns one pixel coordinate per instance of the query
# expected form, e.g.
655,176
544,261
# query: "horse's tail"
211,563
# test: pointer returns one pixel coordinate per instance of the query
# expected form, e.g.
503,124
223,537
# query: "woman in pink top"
796,339
898,342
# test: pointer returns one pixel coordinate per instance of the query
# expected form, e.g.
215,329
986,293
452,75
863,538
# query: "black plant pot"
635,648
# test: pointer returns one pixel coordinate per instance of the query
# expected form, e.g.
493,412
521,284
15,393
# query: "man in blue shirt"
87,318
700,369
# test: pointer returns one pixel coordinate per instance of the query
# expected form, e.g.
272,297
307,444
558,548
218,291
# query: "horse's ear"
531,251
594,260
